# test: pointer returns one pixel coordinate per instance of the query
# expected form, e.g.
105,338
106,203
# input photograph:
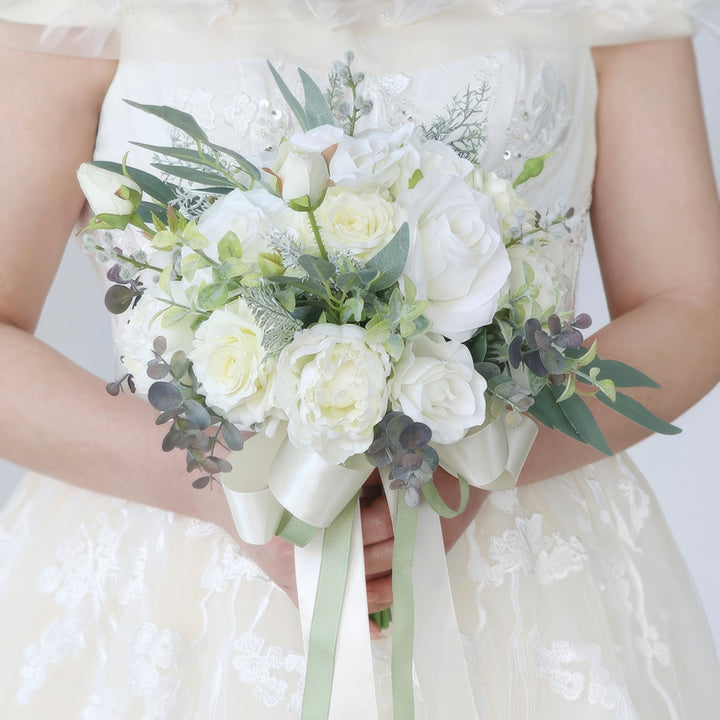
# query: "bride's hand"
277,560
378,534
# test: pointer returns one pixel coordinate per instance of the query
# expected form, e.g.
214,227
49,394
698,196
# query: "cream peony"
102,189
435,383
230,364
457,258
360,223
332,386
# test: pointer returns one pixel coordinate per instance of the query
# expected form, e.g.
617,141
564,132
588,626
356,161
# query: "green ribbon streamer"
404,611
295,530
326,615
432,495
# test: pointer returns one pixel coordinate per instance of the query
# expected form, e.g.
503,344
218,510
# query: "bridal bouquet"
353,300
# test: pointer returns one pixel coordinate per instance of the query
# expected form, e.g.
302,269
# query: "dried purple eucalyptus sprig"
540,351
195,428
403,443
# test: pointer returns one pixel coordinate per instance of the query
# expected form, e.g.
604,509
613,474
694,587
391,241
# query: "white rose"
435,383
250,215
230,364
457,258
144,324
302,174
544,293
360,223
103,189
332,386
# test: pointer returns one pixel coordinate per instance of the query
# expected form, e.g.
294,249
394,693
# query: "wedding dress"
571,596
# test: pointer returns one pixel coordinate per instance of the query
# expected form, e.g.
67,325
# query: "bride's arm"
56,418
656,223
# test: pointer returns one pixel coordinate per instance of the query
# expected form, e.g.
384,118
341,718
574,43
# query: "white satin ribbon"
492,456
270,475
353,691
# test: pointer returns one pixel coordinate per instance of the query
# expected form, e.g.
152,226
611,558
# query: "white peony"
435,383
360,223
457,258
103,190
231,366
144,324
332,386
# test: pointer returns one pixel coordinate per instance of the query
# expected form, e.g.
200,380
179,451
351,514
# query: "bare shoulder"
50,106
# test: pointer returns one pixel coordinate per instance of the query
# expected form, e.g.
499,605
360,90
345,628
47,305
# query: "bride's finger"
375,521
378,559
379,594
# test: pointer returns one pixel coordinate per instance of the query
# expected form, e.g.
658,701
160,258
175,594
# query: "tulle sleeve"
404,32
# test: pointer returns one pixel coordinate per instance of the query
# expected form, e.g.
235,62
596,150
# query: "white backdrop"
683,470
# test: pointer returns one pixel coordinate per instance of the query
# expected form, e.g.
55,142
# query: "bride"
126,593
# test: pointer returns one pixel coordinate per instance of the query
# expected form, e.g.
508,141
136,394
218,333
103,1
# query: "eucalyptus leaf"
177,118
179,153
164,396
199,177
290,99
118,299
621,374
149,211
243,163
391,260
638,413
317,268
197,413
546,410
577,412
232,436
317,110
213,296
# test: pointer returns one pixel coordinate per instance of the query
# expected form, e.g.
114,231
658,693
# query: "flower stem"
316,233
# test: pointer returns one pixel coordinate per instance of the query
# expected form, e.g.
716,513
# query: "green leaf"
179,153
213,296
547,411
317,110
177,118
162,192
623,375
232,268
243,163
172,316
191,264
415,178
308,285
317,268
391,260
290,99
200,177
150,212
478,346
229,247
578,414
638,413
